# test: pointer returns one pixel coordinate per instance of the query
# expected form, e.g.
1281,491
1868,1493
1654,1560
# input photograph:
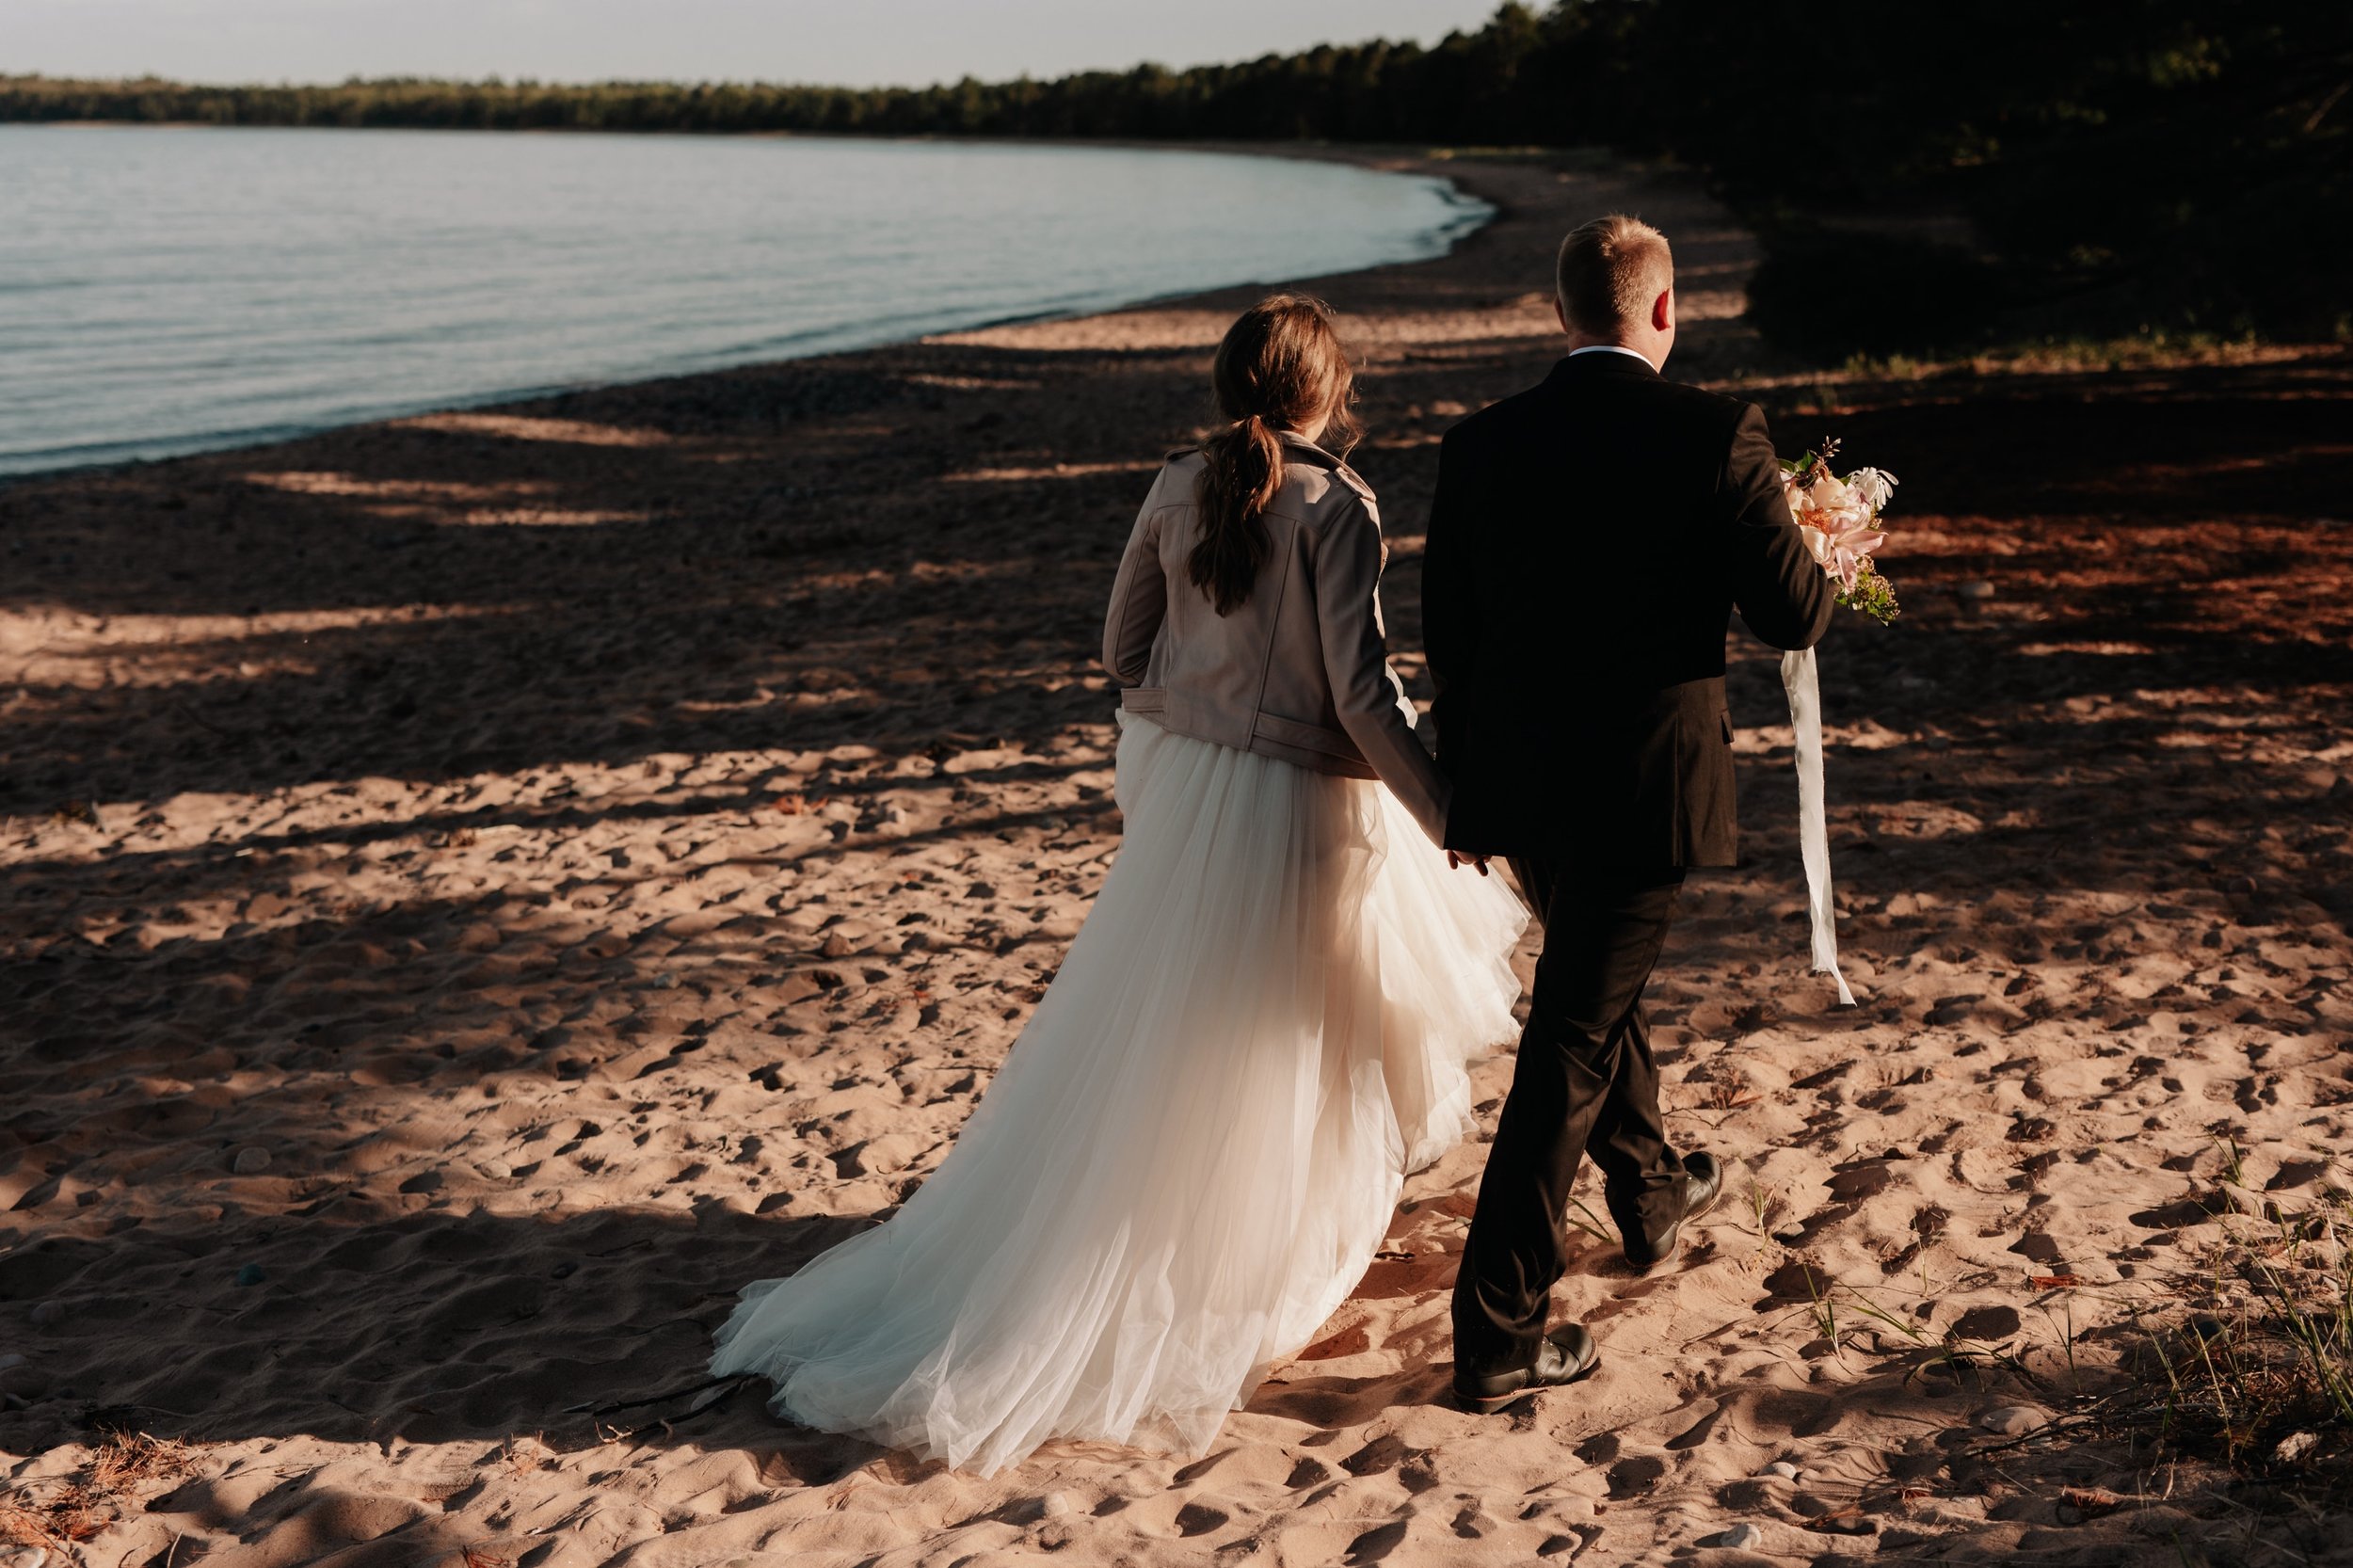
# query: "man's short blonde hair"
1610,270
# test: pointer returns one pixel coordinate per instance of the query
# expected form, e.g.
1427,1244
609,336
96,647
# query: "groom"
1588,542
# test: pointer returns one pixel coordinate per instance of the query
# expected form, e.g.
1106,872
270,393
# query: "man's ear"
1560,313
1662,312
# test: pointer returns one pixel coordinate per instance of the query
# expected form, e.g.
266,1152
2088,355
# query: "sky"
846,42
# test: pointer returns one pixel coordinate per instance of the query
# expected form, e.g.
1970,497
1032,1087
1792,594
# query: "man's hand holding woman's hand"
1455,861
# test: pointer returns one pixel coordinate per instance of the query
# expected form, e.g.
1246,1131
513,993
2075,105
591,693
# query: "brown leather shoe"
1567,1354
1703,1184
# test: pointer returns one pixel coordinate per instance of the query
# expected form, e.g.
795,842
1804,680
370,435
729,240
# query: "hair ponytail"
1245,471
1280,366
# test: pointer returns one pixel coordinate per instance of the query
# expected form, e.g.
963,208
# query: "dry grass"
55,1513
2243,1371
2260,1379
1863,379
2139,351
1730,1093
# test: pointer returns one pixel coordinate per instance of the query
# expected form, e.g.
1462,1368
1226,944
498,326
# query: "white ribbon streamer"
1799,679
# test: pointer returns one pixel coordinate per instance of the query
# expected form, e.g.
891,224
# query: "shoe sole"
1489,1404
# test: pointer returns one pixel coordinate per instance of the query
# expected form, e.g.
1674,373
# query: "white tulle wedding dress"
1194,1147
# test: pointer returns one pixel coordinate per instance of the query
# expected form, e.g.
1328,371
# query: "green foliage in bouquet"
1871,594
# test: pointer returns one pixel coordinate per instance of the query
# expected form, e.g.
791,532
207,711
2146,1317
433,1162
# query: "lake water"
169,290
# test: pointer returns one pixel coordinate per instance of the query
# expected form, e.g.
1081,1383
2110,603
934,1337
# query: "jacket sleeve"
1449,622
1367,693
1783,595
1139,597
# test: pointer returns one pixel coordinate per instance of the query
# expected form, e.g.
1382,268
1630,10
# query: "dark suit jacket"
1588,543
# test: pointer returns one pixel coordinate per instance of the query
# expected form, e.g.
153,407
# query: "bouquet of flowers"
1840,519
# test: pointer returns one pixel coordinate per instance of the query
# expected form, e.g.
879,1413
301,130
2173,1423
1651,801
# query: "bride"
1194,1147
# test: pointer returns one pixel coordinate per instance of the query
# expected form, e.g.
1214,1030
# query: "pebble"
45,1313
496,1170
1052,1505
25,1557
1781,1467
251,1275
12,1360
2012,1421
1976,588
2295,1446
250,1161
1739,1535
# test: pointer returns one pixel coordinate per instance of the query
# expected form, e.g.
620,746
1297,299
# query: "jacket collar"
1299,449
1307,450
1578,366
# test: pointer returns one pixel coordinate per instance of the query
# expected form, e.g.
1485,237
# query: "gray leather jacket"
1300,671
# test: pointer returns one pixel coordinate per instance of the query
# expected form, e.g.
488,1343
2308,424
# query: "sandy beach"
481,887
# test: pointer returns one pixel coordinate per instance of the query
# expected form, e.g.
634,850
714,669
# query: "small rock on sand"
2010,1421
12,1360
251,1161
46,1313
1780,1467
1735,1538
1031,1510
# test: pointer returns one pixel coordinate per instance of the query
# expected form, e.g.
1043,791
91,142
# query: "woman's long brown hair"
1279,367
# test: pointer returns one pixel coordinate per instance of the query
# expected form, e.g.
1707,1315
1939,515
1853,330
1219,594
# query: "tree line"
1924,175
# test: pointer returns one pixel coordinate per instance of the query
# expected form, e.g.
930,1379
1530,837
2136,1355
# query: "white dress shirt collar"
1610,349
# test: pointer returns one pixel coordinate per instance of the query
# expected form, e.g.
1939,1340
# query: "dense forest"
1926,176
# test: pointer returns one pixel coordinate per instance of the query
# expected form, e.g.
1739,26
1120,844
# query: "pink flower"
1839,546
1837,517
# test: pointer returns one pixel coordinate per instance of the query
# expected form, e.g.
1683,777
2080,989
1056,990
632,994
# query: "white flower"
1873,486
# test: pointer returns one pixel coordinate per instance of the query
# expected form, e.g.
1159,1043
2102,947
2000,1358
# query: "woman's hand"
1455,862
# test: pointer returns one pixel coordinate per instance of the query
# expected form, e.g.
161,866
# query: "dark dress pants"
1584,1082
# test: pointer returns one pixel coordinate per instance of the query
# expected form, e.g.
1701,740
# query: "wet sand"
481,887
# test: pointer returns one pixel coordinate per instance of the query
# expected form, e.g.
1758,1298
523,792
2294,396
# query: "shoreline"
1466,220
484,886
